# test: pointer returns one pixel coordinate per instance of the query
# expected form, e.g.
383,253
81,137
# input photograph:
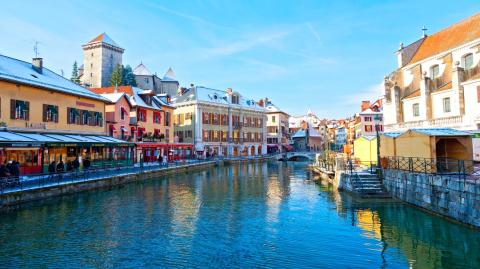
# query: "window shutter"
45,108
58,114
12,109
68,115
27,113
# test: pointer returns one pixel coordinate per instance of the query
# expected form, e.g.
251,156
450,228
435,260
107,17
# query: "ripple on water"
268,215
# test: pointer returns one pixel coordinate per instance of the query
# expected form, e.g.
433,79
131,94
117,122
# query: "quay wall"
12,199
446,195
8,200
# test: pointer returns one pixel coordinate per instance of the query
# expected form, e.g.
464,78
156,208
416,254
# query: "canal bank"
247,215
104,179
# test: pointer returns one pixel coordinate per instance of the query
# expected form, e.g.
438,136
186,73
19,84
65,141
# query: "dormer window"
234,99
435,71
467,61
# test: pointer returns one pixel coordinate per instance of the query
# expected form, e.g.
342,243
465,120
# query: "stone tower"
100,56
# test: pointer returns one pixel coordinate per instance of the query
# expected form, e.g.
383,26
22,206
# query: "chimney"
37,65
365,105
399,53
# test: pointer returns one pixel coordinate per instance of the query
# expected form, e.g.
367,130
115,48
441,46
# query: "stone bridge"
295,156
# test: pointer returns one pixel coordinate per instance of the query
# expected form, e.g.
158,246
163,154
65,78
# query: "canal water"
268,215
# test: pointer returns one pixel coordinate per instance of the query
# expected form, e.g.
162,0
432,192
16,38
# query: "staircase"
368,185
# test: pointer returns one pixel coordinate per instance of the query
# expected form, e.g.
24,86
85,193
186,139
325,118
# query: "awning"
112,127
156,131
133,128
123,109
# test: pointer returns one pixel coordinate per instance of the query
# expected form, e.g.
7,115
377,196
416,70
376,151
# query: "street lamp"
377,131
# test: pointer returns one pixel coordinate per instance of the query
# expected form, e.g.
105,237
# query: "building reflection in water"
425,241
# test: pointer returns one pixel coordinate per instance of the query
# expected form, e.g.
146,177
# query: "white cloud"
313,31
244,45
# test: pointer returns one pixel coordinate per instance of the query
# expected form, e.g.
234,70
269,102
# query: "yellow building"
365,149
46,117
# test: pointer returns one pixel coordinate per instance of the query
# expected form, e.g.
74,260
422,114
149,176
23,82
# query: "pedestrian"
52,167
3,170
160,159
60,167
76,164
16,171
69,166
86,163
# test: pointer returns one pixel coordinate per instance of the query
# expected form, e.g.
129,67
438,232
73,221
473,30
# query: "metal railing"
37,181
464,169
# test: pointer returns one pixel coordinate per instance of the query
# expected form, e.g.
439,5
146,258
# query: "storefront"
149,152
35,152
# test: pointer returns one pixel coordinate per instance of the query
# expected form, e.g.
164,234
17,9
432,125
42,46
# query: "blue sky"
324,55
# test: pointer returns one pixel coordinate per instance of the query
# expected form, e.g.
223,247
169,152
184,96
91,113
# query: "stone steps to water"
369,186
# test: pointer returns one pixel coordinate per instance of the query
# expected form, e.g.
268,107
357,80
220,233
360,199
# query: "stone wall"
449,196
8,200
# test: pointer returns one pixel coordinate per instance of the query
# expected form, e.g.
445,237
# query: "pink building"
118,116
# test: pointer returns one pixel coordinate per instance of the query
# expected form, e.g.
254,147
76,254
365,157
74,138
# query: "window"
19,110
435,71
167,119
368,118
467,61
122,113
416,110
446,104
273,118
50,113
368,128
85,117
91,65
235,99
92,54
146,80
73,116
478,94
91,74
142,115
156,117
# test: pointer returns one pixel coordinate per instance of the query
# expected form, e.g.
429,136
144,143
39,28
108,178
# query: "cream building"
437,81
220,123
277,127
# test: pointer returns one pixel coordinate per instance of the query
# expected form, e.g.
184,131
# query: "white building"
437,83
220,122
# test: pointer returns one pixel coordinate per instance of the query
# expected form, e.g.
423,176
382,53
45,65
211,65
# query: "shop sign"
80,103
22,145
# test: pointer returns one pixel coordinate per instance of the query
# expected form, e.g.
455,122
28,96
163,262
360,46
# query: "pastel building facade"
220,123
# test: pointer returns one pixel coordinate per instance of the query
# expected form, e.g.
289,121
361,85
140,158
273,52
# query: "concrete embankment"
446,195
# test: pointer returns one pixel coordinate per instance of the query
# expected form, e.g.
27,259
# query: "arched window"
467,61
434,71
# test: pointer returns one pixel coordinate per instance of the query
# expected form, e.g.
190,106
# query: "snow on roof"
170,75
441,132
136,100
104,38
203,94
392,134
22,72
113,97
270,107
141,70
369,111
299,134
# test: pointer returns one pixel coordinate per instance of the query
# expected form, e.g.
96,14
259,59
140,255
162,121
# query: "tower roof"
170,75
104,38
141,70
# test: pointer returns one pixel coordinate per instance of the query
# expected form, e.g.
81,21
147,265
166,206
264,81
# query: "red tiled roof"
413,94
457,34
125,89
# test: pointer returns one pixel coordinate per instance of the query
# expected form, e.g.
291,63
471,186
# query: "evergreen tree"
116,78
129,77
75,77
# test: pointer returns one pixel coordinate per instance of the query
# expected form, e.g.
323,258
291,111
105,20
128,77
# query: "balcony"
471,73
450,122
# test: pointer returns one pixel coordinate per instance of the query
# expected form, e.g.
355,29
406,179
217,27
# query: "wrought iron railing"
464,169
